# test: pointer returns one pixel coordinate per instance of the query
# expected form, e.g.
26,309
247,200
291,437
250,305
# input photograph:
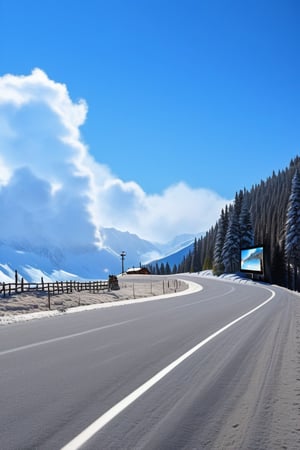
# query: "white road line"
193,287
103,420
64,338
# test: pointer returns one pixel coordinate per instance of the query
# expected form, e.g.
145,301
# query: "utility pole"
123,254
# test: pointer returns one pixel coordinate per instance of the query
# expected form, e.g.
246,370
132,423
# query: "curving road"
208,370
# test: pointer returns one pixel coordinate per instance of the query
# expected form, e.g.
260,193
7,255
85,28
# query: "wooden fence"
58,287
52,288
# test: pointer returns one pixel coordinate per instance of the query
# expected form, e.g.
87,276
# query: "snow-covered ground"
130,292
225,277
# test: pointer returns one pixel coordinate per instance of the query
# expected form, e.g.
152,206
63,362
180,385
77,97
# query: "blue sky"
204,93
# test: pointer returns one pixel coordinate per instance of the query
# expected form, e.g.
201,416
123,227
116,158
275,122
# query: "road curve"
60,375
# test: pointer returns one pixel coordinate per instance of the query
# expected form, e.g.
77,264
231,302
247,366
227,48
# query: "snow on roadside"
15,318
5,320
224,277
193,287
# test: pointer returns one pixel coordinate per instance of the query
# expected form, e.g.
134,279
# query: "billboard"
252,259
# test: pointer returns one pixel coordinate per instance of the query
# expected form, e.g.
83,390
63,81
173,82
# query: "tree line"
269,215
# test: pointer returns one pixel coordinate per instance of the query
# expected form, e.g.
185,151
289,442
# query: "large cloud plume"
52,189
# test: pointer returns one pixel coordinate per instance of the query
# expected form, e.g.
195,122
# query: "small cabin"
138,271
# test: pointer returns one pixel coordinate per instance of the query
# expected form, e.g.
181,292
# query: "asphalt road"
60,375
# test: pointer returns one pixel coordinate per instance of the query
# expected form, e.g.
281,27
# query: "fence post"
49,303
16,281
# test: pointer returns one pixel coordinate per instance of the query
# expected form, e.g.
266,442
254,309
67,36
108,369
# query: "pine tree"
231,249
196,266
245,222
188,262
157,271
207,264
278,265
168,269
222,225
238,202
292,230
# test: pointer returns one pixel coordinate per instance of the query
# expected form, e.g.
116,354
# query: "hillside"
266,204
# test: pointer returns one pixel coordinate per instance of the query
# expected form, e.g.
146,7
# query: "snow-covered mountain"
33,261
178,243
174,258
52,263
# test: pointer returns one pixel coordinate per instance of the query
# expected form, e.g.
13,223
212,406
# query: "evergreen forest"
267,215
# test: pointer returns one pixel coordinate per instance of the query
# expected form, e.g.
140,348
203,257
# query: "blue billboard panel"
252,259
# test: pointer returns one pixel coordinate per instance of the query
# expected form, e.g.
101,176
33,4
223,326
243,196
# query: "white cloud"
53,189
182,209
